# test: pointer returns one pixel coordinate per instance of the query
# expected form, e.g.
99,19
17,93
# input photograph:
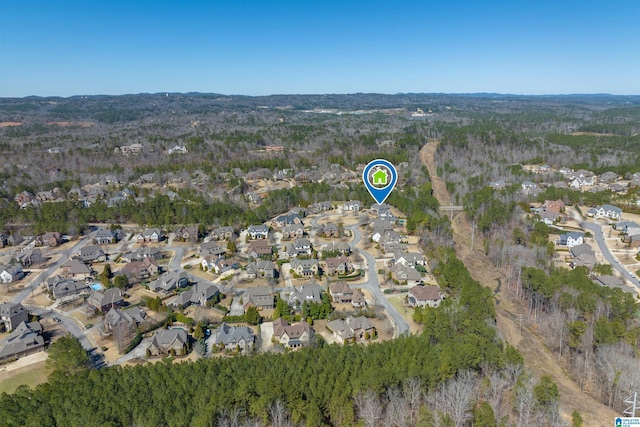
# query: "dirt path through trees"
536,355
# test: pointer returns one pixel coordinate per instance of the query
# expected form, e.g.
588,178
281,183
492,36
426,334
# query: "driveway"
266,333
139,352
236,307
597,232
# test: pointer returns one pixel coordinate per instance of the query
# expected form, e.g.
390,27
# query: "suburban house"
340,247
223,233
329,230
61,287
608,177
166,341
340,265
104,237
357,299
571,239
259,249
258,231
292,336
409,259
606,211
128,318
170,281
90,254
320,207
553,206
548,217
302,246
262,268
105,301
610,281
352,205
305,267
340,292
211,248
11,315
150,235
259,297
286,220
408,274
137,271
309,292
583,255
219,265
143,253
234,337
627,227
352,329
187,233
199,294
50,238
378,208
29,257
293,231
76,269
24,340
11,273
424,296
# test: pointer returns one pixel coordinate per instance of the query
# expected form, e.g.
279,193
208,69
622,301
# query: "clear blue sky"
83,47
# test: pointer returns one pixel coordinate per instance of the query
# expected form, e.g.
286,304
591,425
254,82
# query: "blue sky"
271,47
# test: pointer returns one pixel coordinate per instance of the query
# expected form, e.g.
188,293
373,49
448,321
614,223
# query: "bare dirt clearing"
534,351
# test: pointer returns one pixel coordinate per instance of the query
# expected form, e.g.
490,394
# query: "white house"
571,239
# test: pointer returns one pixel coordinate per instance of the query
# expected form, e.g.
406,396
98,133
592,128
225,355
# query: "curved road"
596,229
372,285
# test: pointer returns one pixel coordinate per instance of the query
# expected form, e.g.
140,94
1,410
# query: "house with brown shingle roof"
423,296
292,336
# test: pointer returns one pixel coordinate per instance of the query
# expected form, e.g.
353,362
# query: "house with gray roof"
260,231
223,233
170,281
606,211
104,301
188,233
288,219
305,267
571,239
260,297
234,337
293,231
104,237
406,274
198,294
11,273
309,292
352,329
76,269
261,268
352,205
24,340
61,287
211,248
150,235
12,314
91,253
166,341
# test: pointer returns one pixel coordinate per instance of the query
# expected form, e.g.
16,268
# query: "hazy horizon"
254,48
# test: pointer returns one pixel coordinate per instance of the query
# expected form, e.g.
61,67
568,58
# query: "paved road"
44,275
70,324
596,230
373,286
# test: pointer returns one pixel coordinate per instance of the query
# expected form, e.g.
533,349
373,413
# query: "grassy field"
31,376
405,312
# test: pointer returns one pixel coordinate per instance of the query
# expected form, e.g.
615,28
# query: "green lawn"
31,376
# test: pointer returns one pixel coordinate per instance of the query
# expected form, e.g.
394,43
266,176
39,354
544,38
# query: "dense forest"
435,378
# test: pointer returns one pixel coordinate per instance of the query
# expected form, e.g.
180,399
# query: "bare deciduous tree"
368,407
279,414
